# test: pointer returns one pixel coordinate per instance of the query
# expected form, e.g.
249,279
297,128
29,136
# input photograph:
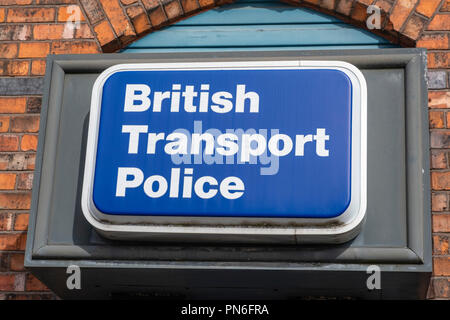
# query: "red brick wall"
31,29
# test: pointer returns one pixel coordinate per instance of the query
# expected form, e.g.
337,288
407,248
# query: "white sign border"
237,229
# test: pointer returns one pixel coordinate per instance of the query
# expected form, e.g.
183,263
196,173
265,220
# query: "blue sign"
273,142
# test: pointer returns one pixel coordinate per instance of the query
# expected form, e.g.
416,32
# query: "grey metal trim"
399,256
47,147
419,233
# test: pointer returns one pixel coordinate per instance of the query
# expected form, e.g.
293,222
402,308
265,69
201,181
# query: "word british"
137,99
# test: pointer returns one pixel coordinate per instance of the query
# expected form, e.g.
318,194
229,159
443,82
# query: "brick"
440,22
7,282
29,143
223,2
328,4
56,1
439,99
74,47
446,6
437,60
9,142
104,33
157,17
437,79
49,31
13,241
316,2
34,284
34,104
15,32
93,10
29,123
21,86
30,15
4,124
128,2
427,7
15,201
17,161
4,261
344,7
384,5
70,13
441,266
14,67
19,284
121,25
38,67
16,261
436,119
440,244
83,32
21,222
33,49
30,161
12,105
6,221
359,12
448,118
434,41
7,181
440,180
401,12
139,19
15,2
173,10
151,4
24,181
30,296
189,6
414,27
18,67
438,159
8,50
134,11
440,288
441,223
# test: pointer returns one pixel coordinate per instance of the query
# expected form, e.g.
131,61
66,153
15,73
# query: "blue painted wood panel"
258,25
257,13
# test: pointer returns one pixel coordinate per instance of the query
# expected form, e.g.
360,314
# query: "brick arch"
117,23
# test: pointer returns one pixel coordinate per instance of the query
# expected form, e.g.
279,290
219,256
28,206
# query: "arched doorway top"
117,23
258,25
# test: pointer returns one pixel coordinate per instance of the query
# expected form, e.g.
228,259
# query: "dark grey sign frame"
59,236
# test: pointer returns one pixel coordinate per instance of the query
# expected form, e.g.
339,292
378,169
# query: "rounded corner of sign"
344,66
350,222
108,72
356,72
89,211
355,224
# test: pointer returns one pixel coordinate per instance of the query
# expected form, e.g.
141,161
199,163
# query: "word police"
138,98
